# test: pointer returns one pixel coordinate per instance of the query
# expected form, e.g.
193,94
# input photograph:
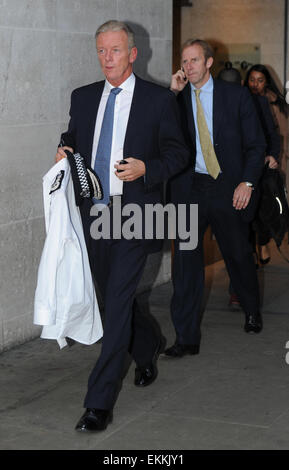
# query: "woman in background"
261,83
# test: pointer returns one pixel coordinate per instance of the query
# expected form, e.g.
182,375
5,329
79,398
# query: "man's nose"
108,56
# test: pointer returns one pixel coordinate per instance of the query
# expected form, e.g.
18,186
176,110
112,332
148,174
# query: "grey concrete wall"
237,22
47,49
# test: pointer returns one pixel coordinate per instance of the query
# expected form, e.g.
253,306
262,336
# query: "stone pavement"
234,395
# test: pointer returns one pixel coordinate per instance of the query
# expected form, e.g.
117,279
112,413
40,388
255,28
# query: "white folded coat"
65,302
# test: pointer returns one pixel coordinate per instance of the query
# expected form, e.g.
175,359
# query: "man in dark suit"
227,147
142,122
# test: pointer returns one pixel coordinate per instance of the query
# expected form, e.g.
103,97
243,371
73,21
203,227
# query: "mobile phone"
185,78
122,162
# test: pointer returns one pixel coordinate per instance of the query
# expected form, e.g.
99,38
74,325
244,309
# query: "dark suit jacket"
153,135
238,140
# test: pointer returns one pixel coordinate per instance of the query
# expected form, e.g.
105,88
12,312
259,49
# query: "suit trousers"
117,267
215,207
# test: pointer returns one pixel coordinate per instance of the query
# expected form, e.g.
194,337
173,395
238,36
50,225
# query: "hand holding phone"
178,81
122,162
185,78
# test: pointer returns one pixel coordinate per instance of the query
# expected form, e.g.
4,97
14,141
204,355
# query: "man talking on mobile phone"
227,148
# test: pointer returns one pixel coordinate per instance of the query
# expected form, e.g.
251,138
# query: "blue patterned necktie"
102,159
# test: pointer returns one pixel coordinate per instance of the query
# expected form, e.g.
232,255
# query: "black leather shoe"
265,261
94,420
147,375
253,323
180,350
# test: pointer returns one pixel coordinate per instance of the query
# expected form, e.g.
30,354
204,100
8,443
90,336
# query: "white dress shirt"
121,114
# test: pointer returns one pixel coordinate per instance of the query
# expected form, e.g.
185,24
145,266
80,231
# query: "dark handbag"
273,206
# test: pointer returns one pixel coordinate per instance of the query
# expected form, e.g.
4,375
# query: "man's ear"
133,55
209,63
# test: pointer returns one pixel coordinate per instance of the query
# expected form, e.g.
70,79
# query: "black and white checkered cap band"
86,181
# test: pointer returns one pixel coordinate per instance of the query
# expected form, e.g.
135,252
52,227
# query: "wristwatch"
250,185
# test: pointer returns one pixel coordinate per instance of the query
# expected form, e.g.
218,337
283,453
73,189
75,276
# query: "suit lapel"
92,109
217,109
189,111
136,111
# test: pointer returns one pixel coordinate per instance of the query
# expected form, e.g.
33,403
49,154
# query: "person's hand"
133,169
273,164
178,81
242,196
61,154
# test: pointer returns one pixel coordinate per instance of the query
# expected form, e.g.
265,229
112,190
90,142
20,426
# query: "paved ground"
234,395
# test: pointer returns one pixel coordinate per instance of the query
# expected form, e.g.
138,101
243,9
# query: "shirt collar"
208,87
127,85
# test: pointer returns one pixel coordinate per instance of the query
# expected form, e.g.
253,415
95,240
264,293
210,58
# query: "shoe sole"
188,353
183,355
253,331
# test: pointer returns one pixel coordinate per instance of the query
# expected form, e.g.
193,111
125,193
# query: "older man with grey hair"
123,118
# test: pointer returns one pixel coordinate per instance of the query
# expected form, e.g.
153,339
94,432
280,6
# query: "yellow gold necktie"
208,151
